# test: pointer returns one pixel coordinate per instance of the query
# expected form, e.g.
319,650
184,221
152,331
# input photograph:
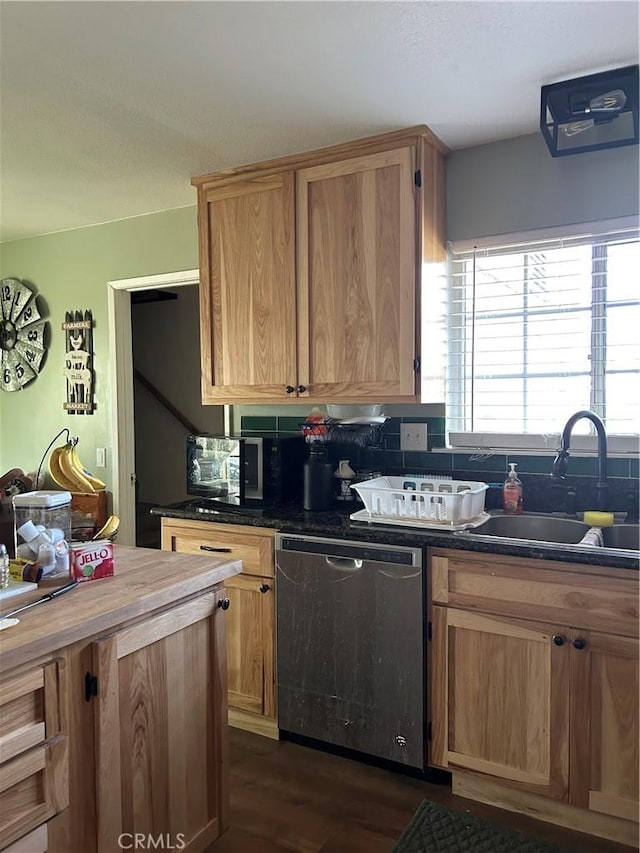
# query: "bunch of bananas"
109,530
69,473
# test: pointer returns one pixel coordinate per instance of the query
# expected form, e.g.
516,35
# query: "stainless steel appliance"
244,470
351,645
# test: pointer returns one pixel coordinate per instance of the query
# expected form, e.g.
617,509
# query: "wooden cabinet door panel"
506,690
247,292
604,724
250,645
161,684
356,227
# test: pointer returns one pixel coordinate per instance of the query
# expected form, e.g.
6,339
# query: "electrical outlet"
413,437
101,457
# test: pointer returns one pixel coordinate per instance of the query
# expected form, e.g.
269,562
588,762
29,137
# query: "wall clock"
22,332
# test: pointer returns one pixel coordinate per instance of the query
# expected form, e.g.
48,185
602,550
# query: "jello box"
91,560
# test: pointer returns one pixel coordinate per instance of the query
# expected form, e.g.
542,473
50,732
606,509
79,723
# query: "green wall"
70,270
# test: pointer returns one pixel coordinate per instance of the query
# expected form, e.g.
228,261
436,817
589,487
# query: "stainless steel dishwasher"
350,640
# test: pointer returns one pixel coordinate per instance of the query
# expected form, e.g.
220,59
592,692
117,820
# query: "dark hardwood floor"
287,797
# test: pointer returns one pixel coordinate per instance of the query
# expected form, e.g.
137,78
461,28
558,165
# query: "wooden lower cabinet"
250,618
604,715
159,728
508,714
250,629
34,759
539,716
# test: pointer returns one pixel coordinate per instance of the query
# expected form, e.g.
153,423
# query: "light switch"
101,457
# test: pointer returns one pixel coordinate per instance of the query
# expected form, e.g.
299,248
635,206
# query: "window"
539,330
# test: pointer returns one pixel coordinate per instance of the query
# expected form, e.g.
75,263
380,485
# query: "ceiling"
109,108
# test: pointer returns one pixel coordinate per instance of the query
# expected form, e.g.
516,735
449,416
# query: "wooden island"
113,710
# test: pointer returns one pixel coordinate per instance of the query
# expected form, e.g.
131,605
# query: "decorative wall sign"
22,333
78,363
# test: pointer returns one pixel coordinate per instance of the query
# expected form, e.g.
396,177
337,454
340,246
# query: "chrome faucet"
561,462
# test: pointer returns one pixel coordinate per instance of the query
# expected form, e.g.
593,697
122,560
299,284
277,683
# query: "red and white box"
91,560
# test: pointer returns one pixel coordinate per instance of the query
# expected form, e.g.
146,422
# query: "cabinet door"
500,699
160,728
247,290
250,645
356,228
604,724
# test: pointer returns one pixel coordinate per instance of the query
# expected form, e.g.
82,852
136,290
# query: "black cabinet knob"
558,639
579,644
302,389
289,389
265,587
224,603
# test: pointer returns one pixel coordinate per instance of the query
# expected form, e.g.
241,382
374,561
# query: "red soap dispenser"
512,492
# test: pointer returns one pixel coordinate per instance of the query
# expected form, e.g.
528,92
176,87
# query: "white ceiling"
109,108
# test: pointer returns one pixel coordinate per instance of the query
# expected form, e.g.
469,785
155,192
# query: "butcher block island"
113,710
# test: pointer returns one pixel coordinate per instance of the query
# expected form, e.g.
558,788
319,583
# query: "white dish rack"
422,501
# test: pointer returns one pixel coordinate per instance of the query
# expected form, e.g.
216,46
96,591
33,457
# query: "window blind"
540,330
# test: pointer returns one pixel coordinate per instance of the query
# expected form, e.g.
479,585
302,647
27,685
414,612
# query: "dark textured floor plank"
287,798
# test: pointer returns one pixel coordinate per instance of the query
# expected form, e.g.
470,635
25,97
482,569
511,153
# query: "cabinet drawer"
29,710
255,550
34,782
564,593
34,786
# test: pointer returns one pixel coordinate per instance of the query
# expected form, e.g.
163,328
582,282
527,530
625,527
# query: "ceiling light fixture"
588,113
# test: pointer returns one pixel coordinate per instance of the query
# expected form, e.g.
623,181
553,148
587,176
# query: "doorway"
168,350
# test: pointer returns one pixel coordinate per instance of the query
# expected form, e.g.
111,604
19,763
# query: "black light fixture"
588,113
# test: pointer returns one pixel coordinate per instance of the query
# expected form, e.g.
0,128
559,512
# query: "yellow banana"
96,482
55,470
109,529
81,484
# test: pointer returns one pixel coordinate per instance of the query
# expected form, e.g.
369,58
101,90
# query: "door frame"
121,373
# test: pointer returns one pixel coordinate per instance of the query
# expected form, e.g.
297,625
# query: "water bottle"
318,480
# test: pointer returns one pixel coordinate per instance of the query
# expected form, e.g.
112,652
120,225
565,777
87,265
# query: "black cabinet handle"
289,389
224,603
558,639
301,389
90,686
579,644
265,587
215,550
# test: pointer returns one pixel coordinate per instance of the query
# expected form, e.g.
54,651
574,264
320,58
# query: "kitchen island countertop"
337,523
145,580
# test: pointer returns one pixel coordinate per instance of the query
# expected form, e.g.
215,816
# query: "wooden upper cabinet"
247,294
356,226
311,271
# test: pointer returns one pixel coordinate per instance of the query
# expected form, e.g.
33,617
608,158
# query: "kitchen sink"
539,528
626,536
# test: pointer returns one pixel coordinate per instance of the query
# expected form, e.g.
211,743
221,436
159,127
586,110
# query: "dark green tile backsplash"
490,467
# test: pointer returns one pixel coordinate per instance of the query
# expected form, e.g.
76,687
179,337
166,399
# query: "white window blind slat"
538,331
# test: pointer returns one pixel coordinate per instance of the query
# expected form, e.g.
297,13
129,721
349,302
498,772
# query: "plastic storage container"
42,529
423,499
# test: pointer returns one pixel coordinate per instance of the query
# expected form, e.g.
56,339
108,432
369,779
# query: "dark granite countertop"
337,524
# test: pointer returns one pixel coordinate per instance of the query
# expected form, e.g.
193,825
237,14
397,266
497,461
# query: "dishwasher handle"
348,565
